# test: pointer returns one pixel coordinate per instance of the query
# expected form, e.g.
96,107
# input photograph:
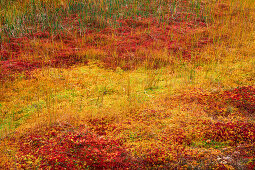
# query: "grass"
127,84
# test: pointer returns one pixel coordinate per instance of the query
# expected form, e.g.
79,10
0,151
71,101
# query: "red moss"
12,48
41,35
134,35
72,149
242,97
10,67
66,58
251,164
232,132
101,125
4,55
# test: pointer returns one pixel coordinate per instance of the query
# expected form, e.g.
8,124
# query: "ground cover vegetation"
127,84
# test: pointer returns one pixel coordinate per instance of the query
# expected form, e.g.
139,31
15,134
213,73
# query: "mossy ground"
169,87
